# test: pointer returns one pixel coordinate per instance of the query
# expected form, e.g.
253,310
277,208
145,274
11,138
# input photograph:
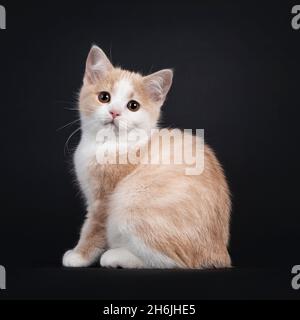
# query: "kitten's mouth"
111,122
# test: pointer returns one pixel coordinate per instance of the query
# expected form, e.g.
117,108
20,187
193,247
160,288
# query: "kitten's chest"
83,158
97,179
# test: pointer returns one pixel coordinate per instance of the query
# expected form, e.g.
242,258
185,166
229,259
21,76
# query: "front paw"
74,259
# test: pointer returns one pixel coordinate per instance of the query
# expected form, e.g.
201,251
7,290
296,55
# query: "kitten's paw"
120,258
74,259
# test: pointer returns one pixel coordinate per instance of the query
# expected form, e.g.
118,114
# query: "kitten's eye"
133,105
104,97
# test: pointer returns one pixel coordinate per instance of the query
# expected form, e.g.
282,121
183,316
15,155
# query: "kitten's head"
116,98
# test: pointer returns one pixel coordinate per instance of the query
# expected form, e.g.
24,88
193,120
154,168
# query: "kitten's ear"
158,84
97,65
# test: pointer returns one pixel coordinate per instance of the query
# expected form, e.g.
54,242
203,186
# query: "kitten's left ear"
97,65
158,84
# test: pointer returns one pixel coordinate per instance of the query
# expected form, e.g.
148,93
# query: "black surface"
105,284
236,75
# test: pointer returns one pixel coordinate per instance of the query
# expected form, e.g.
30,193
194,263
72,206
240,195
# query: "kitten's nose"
114,114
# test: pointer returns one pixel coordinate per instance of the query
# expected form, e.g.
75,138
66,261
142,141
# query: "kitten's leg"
120,257
92,240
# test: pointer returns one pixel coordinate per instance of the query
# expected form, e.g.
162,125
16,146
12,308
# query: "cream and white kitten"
143,215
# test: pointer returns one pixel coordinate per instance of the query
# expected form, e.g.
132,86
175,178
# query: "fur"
144,215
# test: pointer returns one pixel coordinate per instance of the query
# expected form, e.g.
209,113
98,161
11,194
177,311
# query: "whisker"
74,132
70,136
68,124
72,109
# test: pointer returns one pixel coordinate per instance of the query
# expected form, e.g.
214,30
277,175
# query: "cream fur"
146,216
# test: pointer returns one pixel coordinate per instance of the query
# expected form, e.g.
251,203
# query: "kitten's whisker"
74,109
82,126
68,124
70,136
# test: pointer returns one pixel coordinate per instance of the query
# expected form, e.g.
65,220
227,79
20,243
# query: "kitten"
143,215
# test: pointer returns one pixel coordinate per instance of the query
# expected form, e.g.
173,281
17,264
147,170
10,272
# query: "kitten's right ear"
97,65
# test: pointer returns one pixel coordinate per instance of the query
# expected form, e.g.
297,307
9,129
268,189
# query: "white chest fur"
88,151
84,154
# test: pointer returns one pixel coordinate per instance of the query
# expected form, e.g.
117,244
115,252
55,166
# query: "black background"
236,75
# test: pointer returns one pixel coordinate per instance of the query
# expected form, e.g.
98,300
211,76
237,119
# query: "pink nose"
114,114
